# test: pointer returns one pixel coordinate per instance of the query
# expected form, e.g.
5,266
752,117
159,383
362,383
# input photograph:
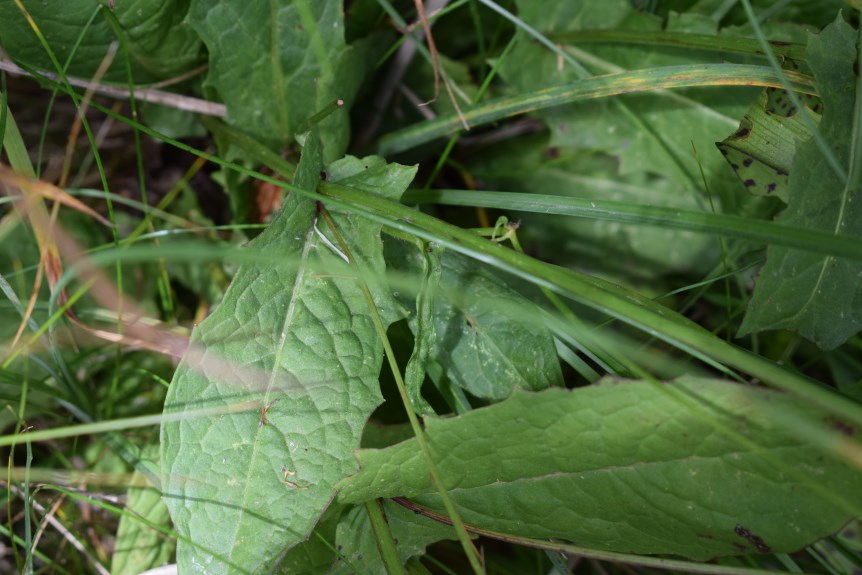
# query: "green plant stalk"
454,517
725,225
383,536
681,40
646,80
604,296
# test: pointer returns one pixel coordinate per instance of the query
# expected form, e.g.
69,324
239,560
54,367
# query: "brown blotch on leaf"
749,183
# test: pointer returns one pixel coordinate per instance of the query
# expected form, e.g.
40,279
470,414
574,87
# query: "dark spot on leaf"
780,172
753,539
417,512
552,153
771,187
721,149
842,426
742,133
747,162
734,166
749,183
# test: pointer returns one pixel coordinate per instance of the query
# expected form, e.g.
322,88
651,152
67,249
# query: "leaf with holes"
820,296
762,149
294,338
696,468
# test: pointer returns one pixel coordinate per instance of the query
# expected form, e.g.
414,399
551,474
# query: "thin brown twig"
152,95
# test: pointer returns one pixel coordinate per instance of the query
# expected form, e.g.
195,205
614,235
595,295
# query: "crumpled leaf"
356,541
489,339
298,342
820,297
161,44
275,64
696,468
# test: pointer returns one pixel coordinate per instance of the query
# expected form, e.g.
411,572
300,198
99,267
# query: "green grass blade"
590,88
702,222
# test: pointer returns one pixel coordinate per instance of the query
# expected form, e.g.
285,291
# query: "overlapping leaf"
298,342
358,545
651,133
697,468
489,339
820,296
277,64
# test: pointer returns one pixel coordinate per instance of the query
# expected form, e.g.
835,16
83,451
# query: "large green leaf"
275,64
696,468
819,296
160,43
298,341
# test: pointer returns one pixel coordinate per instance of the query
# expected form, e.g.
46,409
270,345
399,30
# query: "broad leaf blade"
819,296
275,64
299,342
684,468
161,45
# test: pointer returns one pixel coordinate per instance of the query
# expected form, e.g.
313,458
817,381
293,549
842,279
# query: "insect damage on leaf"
753,539
761,150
